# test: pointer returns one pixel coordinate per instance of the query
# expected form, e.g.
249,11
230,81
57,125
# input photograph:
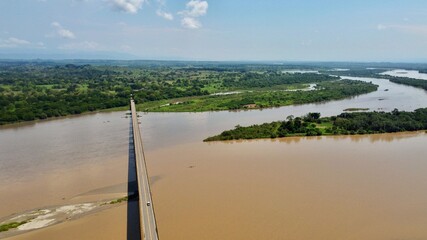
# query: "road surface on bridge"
147,216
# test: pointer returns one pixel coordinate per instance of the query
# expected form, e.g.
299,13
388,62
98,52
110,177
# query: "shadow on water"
133,224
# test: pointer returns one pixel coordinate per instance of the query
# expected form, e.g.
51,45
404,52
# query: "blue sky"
275,30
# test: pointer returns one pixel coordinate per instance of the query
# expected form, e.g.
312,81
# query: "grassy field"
260,98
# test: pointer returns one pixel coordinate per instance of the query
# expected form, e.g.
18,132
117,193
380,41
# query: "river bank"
303,188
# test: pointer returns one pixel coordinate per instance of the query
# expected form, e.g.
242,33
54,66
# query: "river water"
352,187
406,73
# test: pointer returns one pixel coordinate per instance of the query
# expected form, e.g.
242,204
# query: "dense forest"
39,90
419,83
43,89
346,123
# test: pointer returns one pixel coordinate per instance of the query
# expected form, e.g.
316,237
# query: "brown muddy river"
353,187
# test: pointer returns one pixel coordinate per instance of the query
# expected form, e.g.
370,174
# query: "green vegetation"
268,79
419,83
357,71
343,124
12,225
122,199
260,98
355,109
29,92
39,90
119,200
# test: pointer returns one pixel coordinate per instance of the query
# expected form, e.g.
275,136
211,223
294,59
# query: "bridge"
148,226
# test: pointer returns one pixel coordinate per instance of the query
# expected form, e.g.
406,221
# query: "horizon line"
216,61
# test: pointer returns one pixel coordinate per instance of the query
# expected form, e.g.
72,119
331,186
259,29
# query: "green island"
7,226
355,109
261,98
32,90
344,124
119,200
419,83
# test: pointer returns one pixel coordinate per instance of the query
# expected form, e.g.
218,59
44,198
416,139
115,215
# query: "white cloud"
307,43
86,45
65,33
194,10
381,27
411,29
165,15
129,6
162,13
18,41
191,23
161,2
62,32
13,42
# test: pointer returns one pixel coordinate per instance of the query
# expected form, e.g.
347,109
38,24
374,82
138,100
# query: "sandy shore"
107,224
